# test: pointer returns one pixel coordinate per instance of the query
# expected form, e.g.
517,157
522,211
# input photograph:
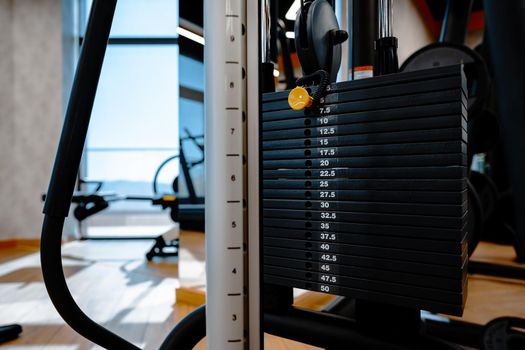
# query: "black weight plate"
370,283
449,172
337,112
446,54
455,285
368,184
437,197
372,150
368,251
405,89
395,114
419,244
387,219
334,105
369,162
452,134
372,207
427,123
447,234
387,298
386,264
456,235
384,80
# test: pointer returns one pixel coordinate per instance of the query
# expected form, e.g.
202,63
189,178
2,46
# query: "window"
135,120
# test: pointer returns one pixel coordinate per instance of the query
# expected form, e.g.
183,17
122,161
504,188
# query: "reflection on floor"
113,284
110,281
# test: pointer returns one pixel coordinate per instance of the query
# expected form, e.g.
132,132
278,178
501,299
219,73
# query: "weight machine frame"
245,21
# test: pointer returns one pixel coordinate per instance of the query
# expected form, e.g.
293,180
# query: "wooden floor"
115,286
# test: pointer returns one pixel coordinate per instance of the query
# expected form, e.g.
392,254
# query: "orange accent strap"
362,68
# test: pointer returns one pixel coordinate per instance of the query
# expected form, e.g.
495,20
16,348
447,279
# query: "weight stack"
365,195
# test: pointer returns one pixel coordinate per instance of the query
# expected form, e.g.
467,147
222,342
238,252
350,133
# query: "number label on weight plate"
327,173
329,257
323,152
324,162
325,205
327,194
324,110
325,236
327,131
328,278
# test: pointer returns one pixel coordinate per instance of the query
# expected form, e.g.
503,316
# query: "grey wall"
6,114
409,28
31,109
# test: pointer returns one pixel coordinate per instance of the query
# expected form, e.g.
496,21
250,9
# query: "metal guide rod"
385,18
341,12
226,227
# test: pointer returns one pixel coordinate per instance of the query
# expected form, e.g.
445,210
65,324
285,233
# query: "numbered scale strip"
438,197
428,98
370,251
354,244
400,80
385,263
351,113
398,137
369,162
419,245
345,102
441,122
456,234
371,184
434,294
424,123
306,266
226,272
330,215
370,207
436,172
379,118
404,89
318,151
367,294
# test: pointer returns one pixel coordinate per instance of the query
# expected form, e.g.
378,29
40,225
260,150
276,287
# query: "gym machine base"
92,203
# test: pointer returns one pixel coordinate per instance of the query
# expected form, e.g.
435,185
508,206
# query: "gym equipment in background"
92,203
450,50
62,184
385,47
318,38
189,214
191,208
9,332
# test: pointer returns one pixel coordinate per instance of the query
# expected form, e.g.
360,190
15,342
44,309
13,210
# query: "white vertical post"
226,226
254,20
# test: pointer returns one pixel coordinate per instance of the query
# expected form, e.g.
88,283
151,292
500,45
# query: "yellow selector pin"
299,98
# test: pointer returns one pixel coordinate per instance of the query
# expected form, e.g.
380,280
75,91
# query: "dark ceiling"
437,7
192,10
